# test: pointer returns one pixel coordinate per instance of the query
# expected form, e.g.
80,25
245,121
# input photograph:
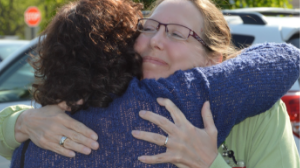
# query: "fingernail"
95,145
141,158
142,112
159,99
208,105
86,150
135,132
95,137
72,154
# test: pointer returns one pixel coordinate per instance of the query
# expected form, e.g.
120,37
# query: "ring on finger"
166,141
62,140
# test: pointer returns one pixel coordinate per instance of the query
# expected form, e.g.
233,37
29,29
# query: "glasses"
174,31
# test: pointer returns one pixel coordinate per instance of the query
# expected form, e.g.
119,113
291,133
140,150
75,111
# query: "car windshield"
7,49
16,81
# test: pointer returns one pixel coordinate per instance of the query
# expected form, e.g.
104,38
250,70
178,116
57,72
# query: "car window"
16,80
7,50
295,40
242,41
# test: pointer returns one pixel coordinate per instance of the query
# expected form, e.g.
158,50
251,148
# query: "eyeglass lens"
173,31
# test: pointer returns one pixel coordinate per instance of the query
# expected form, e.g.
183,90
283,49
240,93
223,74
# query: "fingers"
175,112
160,158
165,124
81,137
46,126
150,137
78,127
78,138
74,142
208,119
61,150
70,144
80,102
63,105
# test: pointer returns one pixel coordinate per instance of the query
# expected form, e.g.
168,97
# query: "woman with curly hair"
69,69
72,67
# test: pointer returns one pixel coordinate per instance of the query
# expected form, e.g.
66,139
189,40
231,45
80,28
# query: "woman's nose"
158,39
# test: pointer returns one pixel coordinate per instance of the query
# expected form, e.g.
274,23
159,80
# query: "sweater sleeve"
8,118
238,88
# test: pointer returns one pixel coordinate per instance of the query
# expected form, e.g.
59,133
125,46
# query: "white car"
258,25
16,75
7,47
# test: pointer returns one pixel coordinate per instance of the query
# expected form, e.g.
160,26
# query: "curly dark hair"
86,52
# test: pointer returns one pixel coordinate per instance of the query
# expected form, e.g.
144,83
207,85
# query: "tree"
12,14
10,18
234,4
12,11
49,9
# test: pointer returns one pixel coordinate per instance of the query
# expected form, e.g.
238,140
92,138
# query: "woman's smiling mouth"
154,60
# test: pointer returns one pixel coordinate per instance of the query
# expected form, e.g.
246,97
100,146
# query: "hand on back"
47,125
187,145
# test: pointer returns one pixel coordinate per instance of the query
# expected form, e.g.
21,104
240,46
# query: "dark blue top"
238,88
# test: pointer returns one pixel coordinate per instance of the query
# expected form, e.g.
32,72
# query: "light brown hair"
216,32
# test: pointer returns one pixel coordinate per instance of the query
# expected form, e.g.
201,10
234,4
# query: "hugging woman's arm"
188,89
112,123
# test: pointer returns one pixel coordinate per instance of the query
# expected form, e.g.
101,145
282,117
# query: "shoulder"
265,140
275,116
270,123
273,47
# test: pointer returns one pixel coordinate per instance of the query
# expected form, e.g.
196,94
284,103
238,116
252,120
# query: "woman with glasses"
163,48
173,31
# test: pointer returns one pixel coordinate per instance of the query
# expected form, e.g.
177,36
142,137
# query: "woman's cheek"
140,44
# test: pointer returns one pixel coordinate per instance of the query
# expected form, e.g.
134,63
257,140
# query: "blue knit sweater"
238,88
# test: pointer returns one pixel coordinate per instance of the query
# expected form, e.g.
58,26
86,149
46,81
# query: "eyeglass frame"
191,33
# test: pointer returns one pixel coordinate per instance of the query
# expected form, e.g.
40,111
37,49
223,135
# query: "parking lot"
243,33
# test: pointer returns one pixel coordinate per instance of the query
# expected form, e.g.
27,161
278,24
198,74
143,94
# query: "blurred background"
22,20
13,26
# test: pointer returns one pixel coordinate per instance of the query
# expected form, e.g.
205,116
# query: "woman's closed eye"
176,35
149,28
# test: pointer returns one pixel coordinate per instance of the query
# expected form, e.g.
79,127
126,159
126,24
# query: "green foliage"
147,3
12,11
234,4
49,9
12,14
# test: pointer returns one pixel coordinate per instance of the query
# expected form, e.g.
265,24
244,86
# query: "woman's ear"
215,59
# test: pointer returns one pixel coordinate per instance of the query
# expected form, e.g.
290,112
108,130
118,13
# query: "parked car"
7,47
250,26
16,75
